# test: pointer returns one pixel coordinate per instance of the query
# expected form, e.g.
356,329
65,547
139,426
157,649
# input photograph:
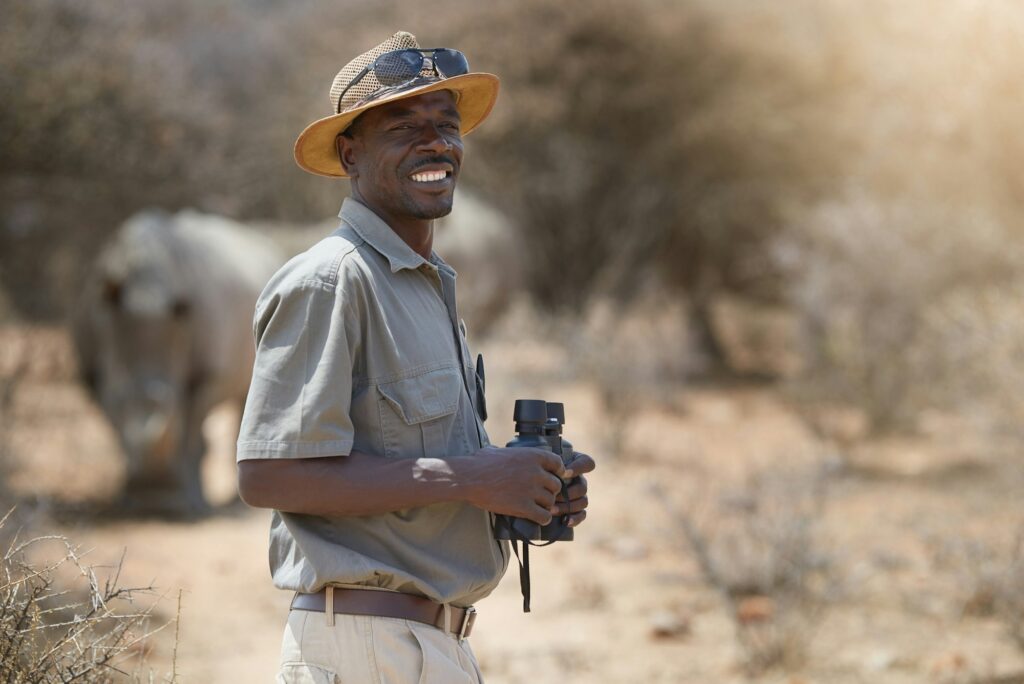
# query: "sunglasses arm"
351,83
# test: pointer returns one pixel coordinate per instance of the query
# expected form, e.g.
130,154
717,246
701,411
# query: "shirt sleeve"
301,391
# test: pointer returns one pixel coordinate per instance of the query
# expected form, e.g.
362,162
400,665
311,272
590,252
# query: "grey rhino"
164,334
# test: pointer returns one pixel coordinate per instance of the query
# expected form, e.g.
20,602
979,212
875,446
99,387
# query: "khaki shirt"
359,347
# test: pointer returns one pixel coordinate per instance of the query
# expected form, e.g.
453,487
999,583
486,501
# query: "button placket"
448,294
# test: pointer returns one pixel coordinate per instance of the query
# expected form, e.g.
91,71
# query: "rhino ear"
112,290
180,308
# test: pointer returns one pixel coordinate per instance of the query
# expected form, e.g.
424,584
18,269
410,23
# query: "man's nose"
432,139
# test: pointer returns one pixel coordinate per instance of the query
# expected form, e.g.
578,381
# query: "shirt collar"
379,235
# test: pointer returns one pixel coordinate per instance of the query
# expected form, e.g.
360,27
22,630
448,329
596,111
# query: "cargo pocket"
417,414
441,662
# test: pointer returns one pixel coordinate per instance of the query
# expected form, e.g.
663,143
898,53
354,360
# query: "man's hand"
517,481
575,506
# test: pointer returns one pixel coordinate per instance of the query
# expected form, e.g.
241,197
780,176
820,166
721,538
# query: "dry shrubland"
854,162
669,175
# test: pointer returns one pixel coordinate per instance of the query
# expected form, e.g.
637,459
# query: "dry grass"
991,579
759,547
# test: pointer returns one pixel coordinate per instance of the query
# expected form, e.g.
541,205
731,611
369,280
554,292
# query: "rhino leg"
189,464
174,487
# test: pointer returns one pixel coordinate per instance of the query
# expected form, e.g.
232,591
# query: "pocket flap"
424,397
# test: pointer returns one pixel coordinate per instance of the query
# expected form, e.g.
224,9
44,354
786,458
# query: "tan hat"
315,150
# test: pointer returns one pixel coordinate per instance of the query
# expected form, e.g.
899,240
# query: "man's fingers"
546,498
538,514
552,484
577,518
577,488
550,462
580,463
573,506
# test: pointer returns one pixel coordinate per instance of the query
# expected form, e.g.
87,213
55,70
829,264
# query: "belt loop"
329,604
447,617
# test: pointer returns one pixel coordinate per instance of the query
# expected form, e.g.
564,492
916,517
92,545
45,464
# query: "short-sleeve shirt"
359,347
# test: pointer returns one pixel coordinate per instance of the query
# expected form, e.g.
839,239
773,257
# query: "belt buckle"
467,621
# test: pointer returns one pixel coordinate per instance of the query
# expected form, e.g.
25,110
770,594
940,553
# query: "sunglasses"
402,66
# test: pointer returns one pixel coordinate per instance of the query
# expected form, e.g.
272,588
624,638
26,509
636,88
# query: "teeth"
429,176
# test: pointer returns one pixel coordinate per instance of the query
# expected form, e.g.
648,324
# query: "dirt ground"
626,601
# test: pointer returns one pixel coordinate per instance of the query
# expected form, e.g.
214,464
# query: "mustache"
438,159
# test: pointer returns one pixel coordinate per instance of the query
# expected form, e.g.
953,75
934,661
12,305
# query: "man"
362,429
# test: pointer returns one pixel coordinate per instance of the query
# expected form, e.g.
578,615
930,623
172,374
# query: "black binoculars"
538,424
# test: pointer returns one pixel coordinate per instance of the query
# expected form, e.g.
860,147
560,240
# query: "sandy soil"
626,601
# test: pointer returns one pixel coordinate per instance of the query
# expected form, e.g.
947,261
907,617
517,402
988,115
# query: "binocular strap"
524,567
524,560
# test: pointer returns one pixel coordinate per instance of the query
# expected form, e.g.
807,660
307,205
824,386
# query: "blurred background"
768,253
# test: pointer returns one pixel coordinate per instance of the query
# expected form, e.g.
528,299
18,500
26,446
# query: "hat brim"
315,149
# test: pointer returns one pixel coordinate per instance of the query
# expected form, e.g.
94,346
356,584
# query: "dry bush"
978,356
636,356
894,275
879,289
1010,594
760,548
60,623
990,579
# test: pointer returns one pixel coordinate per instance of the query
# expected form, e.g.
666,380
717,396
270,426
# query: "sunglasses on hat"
402,66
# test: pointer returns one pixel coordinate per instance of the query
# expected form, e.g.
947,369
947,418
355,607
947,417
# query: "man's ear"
347,154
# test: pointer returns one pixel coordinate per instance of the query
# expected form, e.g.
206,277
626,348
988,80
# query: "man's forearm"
354,485
519,481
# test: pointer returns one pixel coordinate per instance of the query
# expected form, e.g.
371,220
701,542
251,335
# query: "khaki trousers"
372,650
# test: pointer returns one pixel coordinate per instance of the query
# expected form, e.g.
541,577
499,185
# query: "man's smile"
432,174
429,176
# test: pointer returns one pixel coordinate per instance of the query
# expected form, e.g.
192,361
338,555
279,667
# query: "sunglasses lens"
450,62
397,67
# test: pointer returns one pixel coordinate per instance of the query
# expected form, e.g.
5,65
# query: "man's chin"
435,211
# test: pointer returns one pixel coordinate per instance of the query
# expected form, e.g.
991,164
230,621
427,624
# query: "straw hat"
315,150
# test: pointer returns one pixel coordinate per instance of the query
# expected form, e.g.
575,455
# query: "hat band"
384,91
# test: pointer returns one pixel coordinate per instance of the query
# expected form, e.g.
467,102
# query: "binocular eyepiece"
538,424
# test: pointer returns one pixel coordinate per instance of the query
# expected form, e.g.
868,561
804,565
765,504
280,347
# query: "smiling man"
363,428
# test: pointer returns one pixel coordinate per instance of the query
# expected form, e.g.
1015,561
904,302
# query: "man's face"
404,156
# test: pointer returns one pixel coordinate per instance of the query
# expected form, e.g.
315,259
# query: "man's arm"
521,482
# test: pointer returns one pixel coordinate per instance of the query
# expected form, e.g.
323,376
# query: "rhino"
163,335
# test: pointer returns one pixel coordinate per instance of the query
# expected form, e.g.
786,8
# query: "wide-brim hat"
315,149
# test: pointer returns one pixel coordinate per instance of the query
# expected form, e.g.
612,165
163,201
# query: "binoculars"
539,425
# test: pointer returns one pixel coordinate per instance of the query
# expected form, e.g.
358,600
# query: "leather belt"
389,604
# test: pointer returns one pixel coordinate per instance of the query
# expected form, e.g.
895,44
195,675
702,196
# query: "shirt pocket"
417,414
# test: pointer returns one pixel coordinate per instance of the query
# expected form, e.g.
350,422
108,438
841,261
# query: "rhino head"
137,361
